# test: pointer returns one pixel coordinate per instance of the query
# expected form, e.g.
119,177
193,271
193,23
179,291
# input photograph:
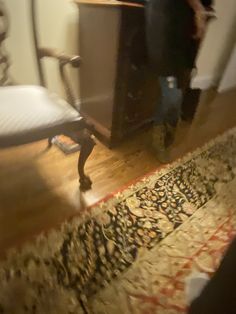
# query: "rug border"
113,198
133,185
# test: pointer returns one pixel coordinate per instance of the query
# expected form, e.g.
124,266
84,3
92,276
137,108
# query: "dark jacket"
169,31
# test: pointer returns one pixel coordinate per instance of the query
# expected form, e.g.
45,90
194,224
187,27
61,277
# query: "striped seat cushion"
25,109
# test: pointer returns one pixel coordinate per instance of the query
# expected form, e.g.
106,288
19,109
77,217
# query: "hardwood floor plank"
39,189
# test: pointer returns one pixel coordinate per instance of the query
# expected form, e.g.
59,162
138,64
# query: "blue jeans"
168,108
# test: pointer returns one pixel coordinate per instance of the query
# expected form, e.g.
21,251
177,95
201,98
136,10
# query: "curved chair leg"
87,145
50,143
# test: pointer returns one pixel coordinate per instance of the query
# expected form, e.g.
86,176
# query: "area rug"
132,252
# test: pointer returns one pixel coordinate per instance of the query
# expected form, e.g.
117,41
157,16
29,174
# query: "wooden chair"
32,113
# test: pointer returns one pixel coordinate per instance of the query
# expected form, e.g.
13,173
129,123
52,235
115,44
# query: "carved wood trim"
4,62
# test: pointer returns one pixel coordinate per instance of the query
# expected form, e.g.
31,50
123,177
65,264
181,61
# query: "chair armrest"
63,60
62,57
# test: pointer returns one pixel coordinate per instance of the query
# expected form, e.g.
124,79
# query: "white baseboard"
204,82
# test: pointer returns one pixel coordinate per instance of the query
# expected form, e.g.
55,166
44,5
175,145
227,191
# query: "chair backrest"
62,59
33,9
40,53
4,62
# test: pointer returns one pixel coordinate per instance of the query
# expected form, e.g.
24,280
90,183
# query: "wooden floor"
39,189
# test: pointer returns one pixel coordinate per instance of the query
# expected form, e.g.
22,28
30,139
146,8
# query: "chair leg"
50,143
87,145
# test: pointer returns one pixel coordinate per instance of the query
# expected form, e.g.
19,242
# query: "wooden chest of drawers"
118,91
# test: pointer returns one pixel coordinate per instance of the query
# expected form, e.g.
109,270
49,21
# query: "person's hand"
200,23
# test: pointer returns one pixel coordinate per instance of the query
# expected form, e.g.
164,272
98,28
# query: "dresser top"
108,3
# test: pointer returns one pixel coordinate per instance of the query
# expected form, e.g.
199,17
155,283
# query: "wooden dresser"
118,92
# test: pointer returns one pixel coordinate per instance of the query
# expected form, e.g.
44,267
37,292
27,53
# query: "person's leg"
166,117
190,96
219,295
169,107
190,103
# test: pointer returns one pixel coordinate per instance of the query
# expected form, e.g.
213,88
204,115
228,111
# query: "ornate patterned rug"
132,252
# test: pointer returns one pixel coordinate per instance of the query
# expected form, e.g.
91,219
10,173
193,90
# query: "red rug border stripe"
127,185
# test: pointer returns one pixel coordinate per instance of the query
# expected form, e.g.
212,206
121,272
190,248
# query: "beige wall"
58,27
18,43
58,24
228,81
218,43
